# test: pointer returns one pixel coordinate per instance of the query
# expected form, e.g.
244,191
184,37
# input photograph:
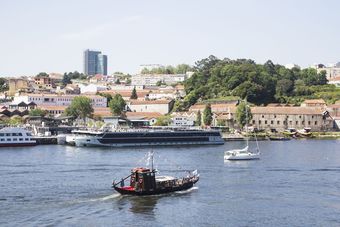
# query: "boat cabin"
143,179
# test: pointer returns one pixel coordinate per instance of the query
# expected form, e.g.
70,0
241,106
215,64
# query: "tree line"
258,83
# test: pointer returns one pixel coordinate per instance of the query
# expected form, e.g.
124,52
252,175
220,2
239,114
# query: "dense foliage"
134,94
207,115
3,84
179,69
37,112
259,84
81,106
164,120
243,114
72,76
198,119
117,104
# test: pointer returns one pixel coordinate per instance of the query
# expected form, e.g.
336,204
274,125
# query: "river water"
295,183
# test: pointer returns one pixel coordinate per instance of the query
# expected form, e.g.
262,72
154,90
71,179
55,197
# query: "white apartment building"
160,106
152,79
58,100
183,118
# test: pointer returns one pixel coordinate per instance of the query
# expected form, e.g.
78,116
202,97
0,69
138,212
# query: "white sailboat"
245,153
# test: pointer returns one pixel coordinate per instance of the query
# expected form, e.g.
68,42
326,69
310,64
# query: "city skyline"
52,36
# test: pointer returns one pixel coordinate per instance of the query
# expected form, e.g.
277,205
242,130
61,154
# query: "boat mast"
152,160
247,138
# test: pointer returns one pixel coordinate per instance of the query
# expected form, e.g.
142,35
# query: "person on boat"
122,183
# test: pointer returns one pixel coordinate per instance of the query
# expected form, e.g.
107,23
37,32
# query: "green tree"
81,106
159,83
164,120
134,94
243,114
207,115
42,74
37,112
198,119
117,104
3,84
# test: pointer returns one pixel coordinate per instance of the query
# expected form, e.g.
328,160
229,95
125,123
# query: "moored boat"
290,132
306,132
279,138
15,137
133,138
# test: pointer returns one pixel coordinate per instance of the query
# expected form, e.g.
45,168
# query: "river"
295,183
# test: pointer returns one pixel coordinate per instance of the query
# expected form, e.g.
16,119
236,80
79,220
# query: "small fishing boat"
278,138
144,181
290,132
306,132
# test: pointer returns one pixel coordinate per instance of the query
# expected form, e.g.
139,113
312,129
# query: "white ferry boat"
133,138
14,137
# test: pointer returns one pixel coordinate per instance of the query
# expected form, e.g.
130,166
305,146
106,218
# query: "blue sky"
50,36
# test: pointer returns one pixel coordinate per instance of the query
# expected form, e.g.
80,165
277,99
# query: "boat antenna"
152,160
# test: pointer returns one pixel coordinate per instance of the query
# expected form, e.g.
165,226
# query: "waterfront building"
95,62
58,99
281,118
184,119
216,108
160,106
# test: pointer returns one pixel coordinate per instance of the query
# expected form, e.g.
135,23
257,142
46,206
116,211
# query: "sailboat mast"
151,160
247,123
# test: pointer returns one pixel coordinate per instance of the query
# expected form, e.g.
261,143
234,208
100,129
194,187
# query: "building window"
303,122
259,122
312,116
278,122
265,122
271,122
290,122
274,116
300,116
262,116
308,122
253,121
296,122
315,123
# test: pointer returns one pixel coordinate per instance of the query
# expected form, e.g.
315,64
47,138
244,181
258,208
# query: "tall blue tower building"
95,62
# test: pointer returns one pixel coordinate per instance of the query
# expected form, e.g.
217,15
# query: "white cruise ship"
14,137
133,138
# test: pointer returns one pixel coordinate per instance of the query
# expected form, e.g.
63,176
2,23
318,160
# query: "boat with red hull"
143,181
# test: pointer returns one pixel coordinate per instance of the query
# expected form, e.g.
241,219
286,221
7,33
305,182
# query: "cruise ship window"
15,139
21,139
26,139
2,139
1,134
8,139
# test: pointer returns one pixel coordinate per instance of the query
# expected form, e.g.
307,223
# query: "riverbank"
266,136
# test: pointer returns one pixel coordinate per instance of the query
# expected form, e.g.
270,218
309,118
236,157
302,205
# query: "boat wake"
187,191
105,198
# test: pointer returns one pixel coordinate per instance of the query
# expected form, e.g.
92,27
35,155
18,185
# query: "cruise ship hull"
148,139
